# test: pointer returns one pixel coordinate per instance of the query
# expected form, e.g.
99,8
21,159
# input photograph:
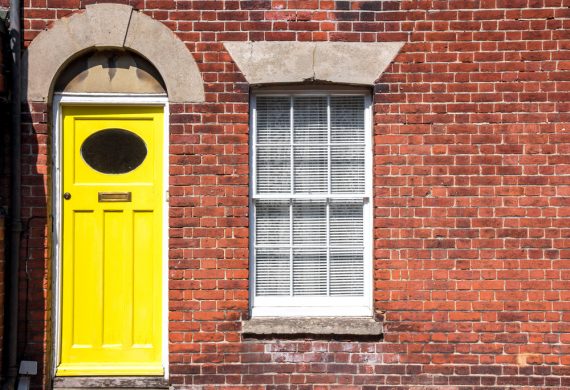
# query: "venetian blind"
310,179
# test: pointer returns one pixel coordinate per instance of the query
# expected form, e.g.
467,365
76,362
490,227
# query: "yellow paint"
111,269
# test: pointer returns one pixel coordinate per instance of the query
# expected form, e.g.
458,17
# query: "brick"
470,195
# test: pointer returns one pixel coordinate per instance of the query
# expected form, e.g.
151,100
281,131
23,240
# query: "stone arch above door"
111,26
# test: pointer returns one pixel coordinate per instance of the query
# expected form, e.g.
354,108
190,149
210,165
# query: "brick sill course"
337,326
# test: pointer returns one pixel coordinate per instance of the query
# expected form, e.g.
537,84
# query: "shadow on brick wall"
35,265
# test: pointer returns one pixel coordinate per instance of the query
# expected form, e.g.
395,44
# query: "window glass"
113,151
310,202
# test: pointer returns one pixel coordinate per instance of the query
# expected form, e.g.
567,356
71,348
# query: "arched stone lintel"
294,62
111,26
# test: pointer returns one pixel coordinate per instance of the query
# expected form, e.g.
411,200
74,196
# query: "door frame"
99,99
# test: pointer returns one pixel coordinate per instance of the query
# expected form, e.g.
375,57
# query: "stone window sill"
318,326
109,382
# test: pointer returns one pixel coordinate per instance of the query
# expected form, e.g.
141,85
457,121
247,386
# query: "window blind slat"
311,169
309,272
272,271
347,169
309,223
347,119
310,119
272,223
273,120
346,223
346,272
273,169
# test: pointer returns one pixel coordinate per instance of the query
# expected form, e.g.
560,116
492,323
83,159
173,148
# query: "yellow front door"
112,200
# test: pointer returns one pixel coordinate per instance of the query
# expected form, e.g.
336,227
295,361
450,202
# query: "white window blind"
311,237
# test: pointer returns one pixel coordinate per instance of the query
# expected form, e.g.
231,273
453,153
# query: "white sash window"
311,204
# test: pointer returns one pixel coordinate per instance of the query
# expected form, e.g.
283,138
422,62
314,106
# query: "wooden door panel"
112,248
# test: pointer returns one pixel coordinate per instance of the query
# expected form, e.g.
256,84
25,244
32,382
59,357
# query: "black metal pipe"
15,199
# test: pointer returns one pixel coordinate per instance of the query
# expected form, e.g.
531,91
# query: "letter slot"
115,196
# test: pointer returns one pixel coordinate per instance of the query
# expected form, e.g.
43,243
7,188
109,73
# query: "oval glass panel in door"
114,151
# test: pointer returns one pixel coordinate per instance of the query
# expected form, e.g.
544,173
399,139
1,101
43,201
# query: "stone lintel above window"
353,63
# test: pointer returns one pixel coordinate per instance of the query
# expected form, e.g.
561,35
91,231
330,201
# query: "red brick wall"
472,156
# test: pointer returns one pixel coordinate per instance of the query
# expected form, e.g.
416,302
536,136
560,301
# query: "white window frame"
314,306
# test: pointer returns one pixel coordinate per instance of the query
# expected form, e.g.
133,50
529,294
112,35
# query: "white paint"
314,306
59,100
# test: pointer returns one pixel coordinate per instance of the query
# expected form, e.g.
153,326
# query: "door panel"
111,242
143,247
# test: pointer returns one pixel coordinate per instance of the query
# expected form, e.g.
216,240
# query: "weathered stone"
353,63
123,383
110,26
273,62
352,326
41,64
294,62
169,55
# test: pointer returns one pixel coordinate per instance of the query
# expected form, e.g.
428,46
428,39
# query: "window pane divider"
278,246
322,196
291,151
329,188
312,144
291,188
